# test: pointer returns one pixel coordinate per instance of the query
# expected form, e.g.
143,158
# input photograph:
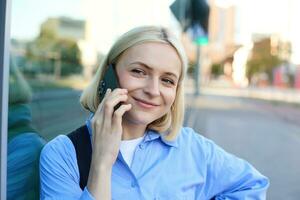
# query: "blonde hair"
171,122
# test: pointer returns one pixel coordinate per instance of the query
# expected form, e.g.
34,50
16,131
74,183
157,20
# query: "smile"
145,104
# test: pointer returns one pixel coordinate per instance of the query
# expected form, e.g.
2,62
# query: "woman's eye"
169,81
138,71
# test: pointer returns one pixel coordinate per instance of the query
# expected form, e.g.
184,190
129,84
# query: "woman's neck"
132,130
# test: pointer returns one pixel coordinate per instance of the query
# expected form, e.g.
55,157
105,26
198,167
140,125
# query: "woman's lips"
145,104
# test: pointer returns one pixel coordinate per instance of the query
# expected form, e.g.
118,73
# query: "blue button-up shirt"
190,167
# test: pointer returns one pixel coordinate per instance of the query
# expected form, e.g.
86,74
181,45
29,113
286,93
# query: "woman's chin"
138,118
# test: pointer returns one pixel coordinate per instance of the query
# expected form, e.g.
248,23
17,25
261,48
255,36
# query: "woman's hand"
107,127
107,134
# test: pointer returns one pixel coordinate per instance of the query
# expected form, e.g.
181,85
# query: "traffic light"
180,9
191,13
200,14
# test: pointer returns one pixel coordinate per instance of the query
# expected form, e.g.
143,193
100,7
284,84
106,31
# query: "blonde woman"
138,149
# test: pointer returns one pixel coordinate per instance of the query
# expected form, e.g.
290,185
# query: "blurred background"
243,83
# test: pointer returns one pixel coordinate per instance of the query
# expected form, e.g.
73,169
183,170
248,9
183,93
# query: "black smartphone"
110,80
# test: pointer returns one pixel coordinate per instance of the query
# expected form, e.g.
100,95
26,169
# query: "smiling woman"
149,72
139,150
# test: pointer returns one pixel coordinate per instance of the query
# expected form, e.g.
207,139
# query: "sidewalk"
270,94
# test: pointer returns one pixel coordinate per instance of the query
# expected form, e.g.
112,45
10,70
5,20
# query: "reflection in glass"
24,141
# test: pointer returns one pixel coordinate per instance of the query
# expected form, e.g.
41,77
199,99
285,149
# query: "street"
265,134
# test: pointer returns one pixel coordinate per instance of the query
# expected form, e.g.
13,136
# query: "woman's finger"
109,108
117,118
97,120
99,109
108,96
117,91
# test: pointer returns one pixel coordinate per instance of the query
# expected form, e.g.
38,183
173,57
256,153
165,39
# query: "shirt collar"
150,134
88,123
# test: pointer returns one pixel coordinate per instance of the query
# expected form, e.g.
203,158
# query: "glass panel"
44,86
4,71
57,45
55,48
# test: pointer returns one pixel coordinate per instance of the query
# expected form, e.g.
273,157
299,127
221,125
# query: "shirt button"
133,184
142,146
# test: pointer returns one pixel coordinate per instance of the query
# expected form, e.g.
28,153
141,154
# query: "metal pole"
5,11
197,72
182,12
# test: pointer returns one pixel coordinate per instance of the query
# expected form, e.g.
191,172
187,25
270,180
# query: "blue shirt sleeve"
59,172
22,166
229,177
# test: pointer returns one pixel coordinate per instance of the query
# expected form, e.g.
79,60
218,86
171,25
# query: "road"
265,134
57,112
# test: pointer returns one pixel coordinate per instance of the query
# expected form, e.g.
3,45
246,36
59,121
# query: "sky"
27,15
252,16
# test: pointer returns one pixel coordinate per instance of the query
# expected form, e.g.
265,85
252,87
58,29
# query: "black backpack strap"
82,143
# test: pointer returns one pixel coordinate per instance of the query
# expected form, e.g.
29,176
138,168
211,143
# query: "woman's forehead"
155,55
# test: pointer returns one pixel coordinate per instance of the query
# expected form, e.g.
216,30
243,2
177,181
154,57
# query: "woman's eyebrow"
150,68
141,63
172,74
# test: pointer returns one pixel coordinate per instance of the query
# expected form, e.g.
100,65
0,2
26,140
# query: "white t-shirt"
127,149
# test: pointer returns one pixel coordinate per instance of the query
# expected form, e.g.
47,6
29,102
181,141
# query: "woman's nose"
152,87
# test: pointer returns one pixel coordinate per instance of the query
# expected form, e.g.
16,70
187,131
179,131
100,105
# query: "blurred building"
221,32
275,44
271,54
297,78
64,27
222,42
232,26
222,38
61,28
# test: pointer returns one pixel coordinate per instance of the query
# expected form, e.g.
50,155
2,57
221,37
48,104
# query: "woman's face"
150,72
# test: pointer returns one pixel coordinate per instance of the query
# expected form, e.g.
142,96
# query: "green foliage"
48,51
262,60
191,68
216,70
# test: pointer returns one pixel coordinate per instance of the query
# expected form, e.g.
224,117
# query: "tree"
262,61
53,55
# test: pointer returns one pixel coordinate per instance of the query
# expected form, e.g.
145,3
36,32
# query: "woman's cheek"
123,80
170,95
